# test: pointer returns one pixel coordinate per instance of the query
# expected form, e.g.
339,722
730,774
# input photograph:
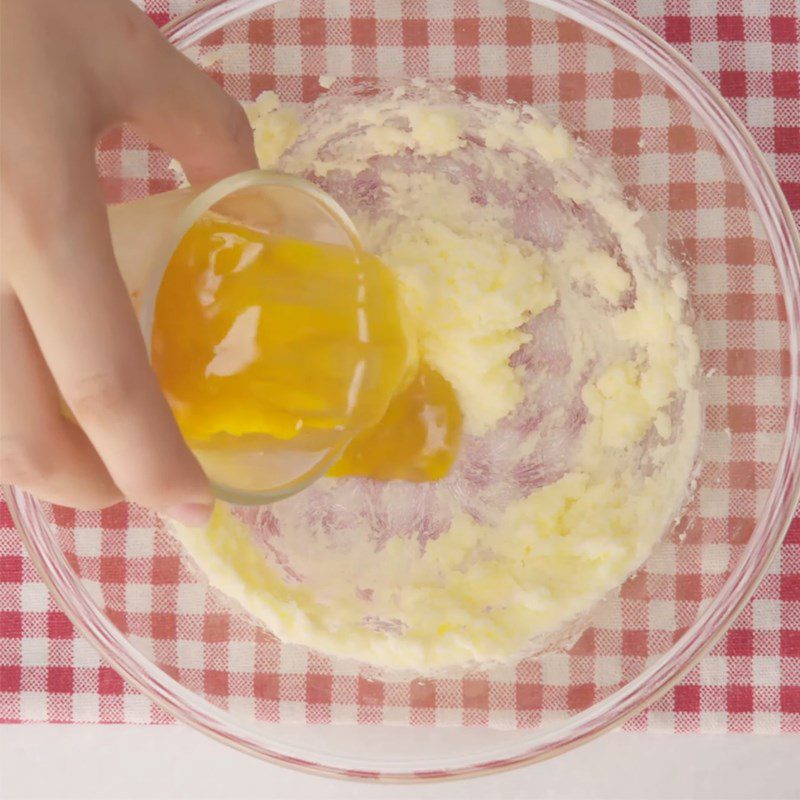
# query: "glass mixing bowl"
679,150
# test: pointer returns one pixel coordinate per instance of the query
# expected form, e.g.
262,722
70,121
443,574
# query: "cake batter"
547,303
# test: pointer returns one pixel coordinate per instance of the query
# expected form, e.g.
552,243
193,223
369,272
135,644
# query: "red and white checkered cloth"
749,682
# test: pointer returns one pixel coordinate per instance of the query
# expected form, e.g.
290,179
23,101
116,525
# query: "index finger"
74,297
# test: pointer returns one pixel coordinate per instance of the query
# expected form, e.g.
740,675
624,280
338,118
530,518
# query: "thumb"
179,108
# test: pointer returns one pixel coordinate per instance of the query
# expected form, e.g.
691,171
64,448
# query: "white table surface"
114,762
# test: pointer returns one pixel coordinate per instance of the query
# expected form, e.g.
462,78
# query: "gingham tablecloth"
749,682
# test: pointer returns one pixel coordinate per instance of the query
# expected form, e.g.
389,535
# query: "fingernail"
192,514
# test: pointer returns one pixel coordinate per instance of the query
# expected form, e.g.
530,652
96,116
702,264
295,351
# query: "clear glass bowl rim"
782,234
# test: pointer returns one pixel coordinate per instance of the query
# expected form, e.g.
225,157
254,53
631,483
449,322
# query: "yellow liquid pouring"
270,343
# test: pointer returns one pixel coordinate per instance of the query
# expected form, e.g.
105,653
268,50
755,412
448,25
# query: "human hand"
70,71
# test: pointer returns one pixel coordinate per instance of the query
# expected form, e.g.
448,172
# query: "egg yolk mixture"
259,340
416,440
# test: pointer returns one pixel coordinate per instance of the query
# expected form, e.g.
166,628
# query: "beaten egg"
268,342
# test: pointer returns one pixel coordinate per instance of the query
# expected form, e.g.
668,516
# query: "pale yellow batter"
572,467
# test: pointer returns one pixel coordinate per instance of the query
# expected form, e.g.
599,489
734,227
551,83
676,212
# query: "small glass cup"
145,234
